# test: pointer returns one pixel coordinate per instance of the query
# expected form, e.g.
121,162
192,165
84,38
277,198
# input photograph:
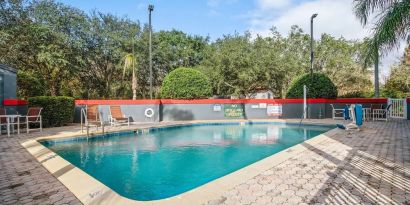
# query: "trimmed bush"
186,83
318,85
57,110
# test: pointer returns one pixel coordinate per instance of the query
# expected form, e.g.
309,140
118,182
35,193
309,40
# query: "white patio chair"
4,121
382,114
336,112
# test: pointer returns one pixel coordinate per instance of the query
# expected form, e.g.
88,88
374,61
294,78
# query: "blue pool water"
167,162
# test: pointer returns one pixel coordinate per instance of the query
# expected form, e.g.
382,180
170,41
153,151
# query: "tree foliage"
82,55
238,65
28,85
398,83
186,83
391,24
318,86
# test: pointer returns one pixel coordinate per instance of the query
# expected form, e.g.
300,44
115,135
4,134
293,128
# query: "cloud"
335,17
216,3
273,4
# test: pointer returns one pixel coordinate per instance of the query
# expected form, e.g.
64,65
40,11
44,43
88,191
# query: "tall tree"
398,81
391,26
36,39
107,40
130,62
342,61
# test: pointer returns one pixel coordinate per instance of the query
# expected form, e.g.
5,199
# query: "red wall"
228,101
14,102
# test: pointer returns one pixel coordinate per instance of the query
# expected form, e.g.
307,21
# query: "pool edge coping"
91,191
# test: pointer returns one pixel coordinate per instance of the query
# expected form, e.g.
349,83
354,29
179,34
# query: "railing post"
81,119
407,108
304,101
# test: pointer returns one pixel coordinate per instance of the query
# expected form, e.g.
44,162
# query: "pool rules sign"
274,110
233,110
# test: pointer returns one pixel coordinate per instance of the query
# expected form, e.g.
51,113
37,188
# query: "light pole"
311,43
150,9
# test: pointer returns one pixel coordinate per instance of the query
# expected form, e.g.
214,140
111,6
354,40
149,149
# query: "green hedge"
318,85
57,110
186,83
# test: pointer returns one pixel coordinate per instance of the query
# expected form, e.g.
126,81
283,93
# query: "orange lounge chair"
90,117
116,117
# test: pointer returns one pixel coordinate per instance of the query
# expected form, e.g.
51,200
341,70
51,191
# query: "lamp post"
311,43
150,9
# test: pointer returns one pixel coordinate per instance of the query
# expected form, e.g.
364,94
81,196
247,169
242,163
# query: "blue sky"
203,17
218,17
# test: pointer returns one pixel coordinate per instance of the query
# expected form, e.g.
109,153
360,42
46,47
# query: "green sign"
233,110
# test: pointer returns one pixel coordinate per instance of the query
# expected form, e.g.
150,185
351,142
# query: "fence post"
304,102
408,108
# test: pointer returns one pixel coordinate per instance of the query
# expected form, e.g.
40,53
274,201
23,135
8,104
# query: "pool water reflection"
168,162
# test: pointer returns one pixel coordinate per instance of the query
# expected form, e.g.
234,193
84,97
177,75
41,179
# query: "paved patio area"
25,181
367,167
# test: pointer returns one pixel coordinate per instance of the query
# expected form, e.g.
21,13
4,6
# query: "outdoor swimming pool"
169,161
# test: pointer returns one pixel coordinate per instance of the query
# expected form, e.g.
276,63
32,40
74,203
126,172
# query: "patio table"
11,122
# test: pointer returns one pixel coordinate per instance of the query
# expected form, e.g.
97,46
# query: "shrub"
388,93
318,85
186,83
57,110
357,94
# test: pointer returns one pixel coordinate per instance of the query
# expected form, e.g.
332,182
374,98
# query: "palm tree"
130,62
392,23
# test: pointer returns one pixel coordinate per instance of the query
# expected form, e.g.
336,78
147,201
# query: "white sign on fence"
274,110
262,105
217,107
255,106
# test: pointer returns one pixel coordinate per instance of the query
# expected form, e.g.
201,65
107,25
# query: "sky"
214,18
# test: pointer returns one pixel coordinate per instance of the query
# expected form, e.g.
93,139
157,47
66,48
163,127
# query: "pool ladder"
86,124
303,115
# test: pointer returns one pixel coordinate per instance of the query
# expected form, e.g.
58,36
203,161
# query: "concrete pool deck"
371,166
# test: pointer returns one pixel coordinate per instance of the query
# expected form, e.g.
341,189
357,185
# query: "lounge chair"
90,117
3,121
336,112
382,114
33,117
116,117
